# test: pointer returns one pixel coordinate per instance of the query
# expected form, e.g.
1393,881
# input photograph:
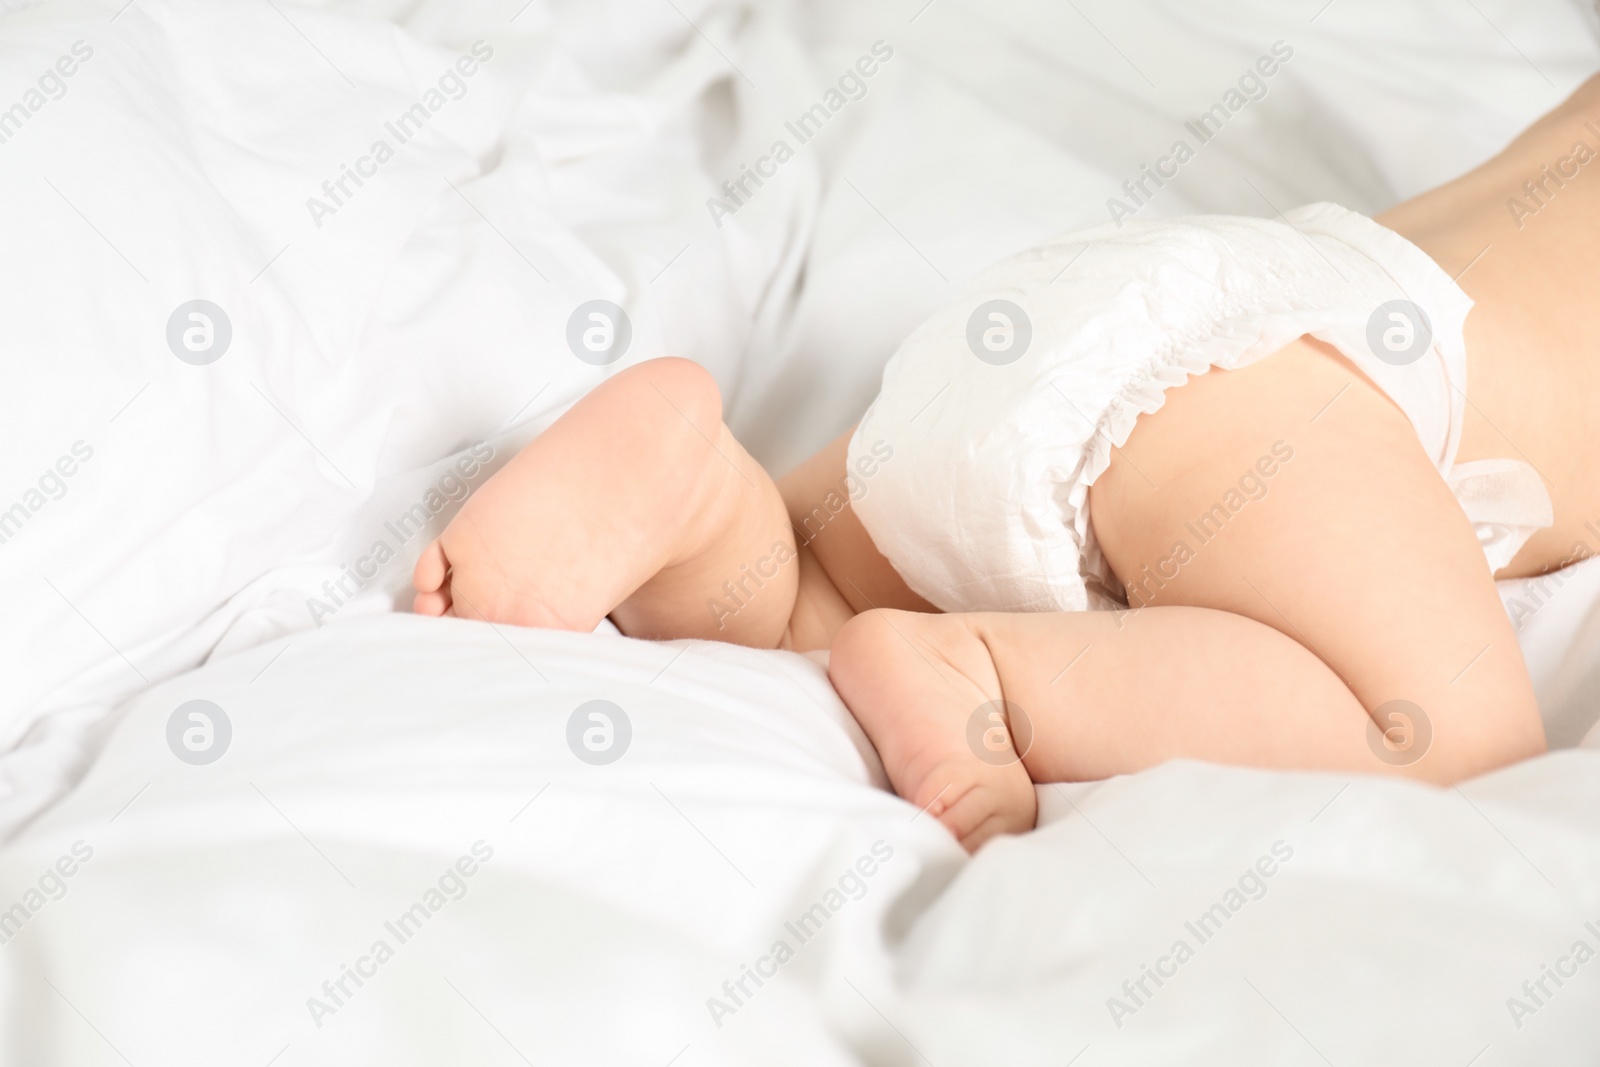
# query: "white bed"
195,554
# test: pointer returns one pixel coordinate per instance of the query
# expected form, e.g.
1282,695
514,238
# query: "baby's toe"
977,802
434,603
980,815
429,573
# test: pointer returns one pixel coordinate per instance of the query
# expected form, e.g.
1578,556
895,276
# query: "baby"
1209,488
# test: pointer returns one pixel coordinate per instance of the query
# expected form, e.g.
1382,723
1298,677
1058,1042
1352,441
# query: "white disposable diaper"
1002,410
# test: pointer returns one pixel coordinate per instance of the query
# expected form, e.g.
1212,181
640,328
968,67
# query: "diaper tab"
1506,502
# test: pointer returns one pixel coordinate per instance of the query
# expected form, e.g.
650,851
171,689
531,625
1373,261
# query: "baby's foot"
925,690
589,511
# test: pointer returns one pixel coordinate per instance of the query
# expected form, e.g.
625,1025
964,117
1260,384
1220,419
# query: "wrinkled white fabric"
998,419
375,331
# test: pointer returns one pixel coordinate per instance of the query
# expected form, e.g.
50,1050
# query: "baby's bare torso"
1529,258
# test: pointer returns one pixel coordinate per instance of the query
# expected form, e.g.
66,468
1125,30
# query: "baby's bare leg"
1084,695
638,504
842,572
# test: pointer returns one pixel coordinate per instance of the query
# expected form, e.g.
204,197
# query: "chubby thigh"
1293,493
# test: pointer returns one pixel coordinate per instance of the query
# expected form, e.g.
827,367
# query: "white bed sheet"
369,756
1406,919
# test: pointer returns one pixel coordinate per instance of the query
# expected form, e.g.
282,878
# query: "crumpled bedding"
221,544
